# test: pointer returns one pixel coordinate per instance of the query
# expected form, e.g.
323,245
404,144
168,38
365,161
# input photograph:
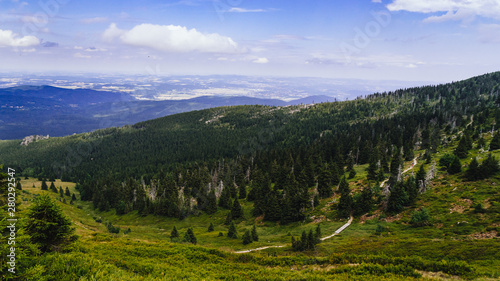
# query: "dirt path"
414,163
342,228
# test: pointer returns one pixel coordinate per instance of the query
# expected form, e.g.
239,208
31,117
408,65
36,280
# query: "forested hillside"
261,152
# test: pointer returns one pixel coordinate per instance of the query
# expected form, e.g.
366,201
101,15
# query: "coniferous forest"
379,156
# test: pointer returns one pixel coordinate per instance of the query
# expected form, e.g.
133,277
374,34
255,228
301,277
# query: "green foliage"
232,232
495,142
455,166
189,237
255,236
420,218
112,229
211,227
121,208
174,234
346,201
47,225
44,185
247,238
446,160
398,199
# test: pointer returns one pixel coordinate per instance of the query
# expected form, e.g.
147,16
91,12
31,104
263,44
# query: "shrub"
420,218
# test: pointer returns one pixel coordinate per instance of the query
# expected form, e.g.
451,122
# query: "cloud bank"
171,38
10,39
455,9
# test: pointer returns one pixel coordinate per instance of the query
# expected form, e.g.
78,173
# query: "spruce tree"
225,199
61,192
461,151
18,185
317,234
247,238
455,166
242,191
44,185
472,173
324,183
232,233
311,240
174,234
398,199
67,193
47,225
495,142
211,203
372,171
211,227
255,236
189,237
73,197
420,177
236,211
53,187
489,166
346,202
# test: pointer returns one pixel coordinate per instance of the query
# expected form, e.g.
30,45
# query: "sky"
407,40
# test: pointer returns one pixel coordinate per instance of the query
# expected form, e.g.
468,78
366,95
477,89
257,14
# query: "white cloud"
10,39
243,10
454,9
376,1
261,60
171,38
94,20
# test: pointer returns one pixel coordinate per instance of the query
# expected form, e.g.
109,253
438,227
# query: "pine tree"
255,237
232,233
455,166
473,172
346,202
495,142
189,237
324,183
47,225
372,171
242,191
461,151
398,199
53,187
211,203
44,185
318,234
311,240
247,238
352,173
174,234
236,211
18,185
225,199
489,166
211,227
67,192
61,192
73,197
420,177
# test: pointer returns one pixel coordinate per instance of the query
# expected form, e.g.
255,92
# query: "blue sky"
411,40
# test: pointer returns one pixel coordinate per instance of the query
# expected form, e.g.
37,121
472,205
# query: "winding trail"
342,228
414,163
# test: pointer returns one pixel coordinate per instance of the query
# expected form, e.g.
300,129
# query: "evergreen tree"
473,173
47,225
53,187
242,191
455,166
211,227
212,203
18,185
495,142
225,199
372,171
318,234
352,173
364,202
189,237
311,240
255,237
346,202
236,211
398,199
247,238
489,166
420,177
335,177
67,193
121,208
324,183
44,185
232,233
61,192
174,234
461,151
73,197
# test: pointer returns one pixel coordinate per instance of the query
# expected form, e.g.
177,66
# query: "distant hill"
47,110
